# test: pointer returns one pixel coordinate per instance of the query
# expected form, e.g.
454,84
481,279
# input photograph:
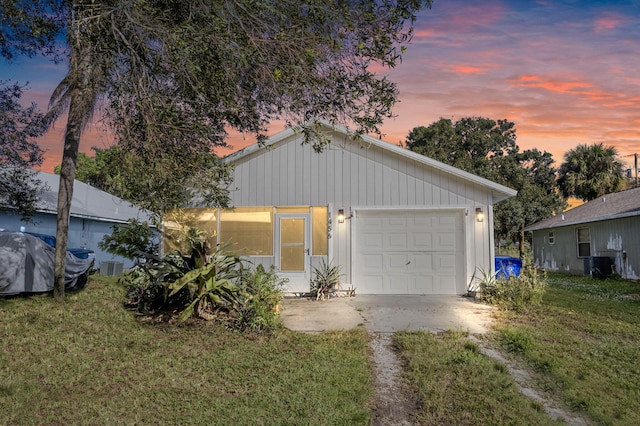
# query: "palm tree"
590,171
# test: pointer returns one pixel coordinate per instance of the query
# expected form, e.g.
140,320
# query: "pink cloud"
608,23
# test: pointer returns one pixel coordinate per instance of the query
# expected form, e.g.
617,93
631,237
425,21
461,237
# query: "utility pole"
635,168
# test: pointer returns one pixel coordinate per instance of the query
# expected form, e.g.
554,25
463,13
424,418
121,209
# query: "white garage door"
408,252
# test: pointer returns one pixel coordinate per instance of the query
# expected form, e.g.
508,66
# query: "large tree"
590,171
19,128
488,148
181,72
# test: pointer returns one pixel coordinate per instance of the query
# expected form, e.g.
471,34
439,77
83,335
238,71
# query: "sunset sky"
565,71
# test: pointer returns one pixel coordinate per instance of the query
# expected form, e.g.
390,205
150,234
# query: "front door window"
293,248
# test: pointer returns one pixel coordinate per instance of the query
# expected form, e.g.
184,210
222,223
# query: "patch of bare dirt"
394,404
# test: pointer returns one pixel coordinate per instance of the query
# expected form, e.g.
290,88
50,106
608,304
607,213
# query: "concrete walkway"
387,314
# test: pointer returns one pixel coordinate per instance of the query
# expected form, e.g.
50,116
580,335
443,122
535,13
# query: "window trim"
551,238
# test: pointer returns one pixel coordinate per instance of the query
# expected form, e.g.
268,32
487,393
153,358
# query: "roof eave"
580,222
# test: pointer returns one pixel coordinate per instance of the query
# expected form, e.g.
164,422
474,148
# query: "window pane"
583,235
178,222
320,232
249,230
292,259
584,249
292,231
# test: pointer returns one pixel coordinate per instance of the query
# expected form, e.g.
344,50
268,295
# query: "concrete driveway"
387,314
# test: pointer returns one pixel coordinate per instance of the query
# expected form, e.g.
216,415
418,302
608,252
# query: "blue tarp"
508,266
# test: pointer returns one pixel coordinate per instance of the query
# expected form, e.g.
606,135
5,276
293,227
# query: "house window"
319,222
178,223
552,238
584,242
249,230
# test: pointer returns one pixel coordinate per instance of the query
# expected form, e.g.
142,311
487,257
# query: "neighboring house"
93,213
396,222
603,234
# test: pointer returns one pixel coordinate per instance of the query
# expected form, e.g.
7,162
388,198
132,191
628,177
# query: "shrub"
148,283
513,293
211,287
130,240
326,280
248,298
259,300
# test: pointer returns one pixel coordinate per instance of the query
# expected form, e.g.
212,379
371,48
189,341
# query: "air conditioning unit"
111,269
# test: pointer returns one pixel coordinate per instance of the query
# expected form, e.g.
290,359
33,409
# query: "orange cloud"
466,69
552,85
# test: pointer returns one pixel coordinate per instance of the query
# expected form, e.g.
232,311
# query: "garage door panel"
374,284
425,221
447,221
397,240
396,222
446,241
445,285
423,263
398,284
445,261
373,262
422,241
398,262
424,285
408,252
373,240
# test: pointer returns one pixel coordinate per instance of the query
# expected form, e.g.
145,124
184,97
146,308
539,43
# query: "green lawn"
583,343
92,362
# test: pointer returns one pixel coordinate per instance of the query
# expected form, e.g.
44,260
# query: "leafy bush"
513,293
130,240
326,280
259,299
148,283
211,287
244,298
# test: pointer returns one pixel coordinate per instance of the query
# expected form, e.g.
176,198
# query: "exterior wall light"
341,216
479,214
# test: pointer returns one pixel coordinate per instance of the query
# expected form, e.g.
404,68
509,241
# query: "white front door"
292,250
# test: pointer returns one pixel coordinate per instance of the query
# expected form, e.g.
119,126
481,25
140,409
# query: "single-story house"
394,221
93,214
602,235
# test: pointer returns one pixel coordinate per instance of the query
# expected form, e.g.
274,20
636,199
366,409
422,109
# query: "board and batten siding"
352,175
345,174
618,239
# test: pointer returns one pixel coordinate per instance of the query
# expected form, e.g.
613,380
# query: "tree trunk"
80,107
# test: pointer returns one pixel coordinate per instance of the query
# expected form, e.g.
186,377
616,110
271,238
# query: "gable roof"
88,202
498,192
610,206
